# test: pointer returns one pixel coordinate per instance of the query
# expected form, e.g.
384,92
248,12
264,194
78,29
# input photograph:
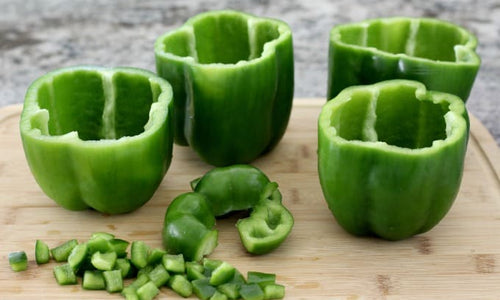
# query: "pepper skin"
439,54
391,156
268,225
232,188
189,219
188,227
232,77
98,137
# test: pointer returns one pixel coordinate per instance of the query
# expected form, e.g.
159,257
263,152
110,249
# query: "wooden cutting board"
456,260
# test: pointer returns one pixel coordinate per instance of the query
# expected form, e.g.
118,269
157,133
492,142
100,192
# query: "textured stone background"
37,36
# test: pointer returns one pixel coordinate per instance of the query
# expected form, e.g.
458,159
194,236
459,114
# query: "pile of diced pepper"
103,264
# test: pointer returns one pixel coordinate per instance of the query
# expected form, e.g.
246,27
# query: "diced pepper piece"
123,264
230,289
42,252
130,293
202,288
262,279
180,285
93,280
120,247
222,274
77,256
62,252
174,263
18,261
251,292
274,291
155,256
145,270
64,274
99,244
114,281
148,291
103,235
104,261
139,254
135,285
218,296
194,270
159,275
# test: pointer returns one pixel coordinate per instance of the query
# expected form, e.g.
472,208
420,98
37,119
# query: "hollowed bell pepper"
437,53
97,137
391,156
190,218
232,77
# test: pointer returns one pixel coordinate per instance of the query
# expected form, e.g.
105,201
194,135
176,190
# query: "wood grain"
458,259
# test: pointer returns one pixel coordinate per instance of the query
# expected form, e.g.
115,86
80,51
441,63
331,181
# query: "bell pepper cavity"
390,157
98,137
190,218
437,53
232,78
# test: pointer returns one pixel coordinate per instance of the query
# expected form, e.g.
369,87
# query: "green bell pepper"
232,188
188,227
190,218
437,53
232,77
97,137
391,157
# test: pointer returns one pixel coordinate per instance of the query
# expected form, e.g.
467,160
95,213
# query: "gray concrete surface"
37,36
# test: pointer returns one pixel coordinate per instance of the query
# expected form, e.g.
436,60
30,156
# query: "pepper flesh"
437,53
390,157
232,77
97,137
189,219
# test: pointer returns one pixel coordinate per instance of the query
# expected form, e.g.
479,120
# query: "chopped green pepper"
42,252
18,261
190,218
232,77
188,227
437,53
391,157
97,137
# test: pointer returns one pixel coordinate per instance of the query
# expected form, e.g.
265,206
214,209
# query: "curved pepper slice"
232,188
268,225
391,156
232,76
437,53
97,137
189,219
188,227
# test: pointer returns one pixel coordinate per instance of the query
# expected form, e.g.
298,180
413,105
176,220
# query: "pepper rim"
158,112
455,119
469,46
268,50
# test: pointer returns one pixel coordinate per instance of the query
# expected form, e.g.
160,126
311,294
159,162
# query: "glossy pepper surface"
437,53
232,77
390,157
219,192
98,137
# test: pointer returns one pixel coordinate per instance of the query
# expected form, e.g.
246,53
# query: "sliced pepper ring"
232,77
98,137
391,156
437,53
